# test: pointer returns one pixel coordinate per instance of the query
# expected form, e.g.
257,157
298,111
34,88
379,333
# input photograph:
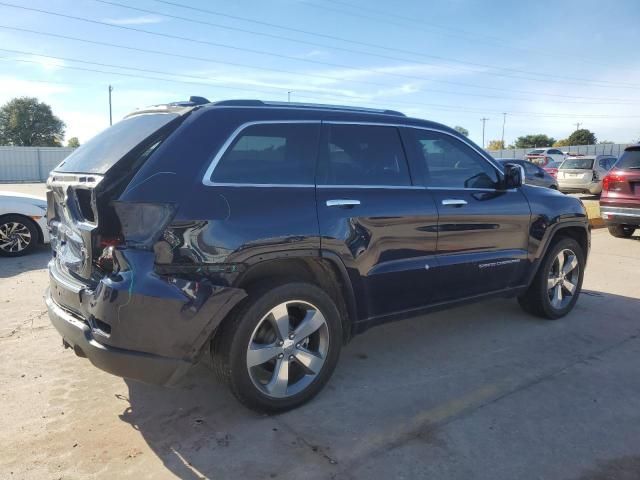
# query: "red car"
620,199
552,168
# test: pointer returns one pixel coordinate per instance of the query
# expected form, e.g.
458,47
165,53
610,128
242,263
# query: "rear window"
555,164
536,152
105,149
629,159
577,164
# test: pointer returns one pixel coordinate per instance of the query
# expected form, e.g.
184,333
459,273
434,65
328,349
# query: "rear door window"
105,149
450,163
273,153
366,155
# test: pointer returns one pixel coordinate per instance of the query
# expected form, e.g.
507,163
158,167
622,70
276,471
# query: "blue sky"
548,64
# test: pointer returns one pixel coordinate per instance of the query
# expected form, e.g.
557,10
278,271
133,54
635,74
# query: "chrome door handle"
454,202
342,203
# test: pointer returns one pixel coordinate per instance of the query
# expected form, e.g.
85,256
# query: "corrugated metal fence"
614,149
29,164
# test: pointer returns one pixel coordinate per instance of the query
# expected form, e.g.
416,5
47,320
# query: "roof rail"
319,106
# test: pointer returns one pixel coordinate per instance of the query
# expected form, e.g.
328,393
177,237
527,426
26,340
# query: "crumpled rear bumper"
138,324
124,363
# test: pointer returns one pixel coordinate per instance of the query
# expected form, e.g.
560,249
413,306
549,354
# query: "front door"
482,229
380,223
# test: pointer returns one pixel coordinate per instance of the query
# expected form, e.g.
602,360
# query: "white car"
543,156
23,223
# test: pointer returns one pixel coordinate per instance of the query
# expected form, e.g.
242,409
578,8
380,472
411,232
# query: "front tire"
621,231
18,235
280,348
558,282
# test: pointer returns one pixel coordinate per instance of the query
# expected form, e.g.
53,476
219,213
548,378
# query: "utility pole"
578,125
110,115
483,120
289,95
504,120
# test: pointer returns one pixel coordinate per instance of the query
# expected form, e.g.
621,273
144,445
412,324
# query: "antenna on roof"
198,100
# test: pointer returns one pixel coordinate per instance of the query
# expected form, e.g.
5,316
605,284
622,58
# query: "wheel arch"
579,231
325,271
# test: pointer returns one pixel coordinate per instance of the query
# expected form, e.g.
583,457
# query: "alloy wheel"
288,349
14,237
563,279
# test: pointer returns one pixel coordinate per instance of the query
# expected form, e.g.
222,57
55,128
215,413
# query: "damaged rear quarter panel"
166,316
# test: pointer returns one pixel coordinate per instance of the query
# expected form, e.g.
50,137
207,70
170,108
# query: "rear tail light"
143,223
609,180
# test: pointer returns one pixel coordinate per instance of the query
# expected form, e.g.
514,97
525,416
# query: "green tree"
495,145
27,122
532,141
606,142
564,142
73,142
582,137
461,130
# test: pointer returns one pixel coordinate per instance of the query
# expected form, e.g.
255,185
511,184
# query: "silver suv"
584,174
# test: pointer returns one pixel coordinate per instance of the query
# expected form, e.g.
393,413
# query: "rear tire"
273,365
556,287
621,231
18,235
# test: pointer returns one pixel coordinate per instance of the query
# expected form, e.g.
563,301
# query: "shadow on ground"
36,260
397,384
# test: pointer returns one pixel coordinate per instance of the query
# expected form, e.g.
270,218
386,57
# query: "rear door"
482,229
375,218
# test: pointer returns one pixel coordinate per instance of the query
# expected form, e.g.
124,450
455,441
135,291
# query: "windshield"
629,159
105,149
578,163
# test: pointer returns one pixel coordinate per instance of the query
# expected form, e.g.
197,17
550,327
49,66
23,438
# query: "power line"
360,52
279,90
494,41
249,50
608,100
199,77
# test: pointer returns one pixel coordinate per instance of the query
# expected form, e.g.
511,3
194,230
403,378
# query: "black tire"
27,223
536,299
621,231
231,343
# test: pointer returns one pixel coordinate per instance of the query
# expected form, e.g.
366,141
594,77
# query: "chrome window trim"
387,187
266,185
206,179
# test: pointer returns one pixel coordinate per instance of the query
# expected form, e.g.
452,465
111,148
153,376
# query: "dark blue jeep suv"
266,235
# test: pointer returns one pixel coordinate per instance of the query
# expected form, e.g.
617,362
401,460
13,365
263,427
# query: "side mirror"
513,175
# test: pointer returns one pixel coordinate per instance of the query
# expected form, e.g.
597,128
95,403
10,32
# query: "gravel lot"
480,392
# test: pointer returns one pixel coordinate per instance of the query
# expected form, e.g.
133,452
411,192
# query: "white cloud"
139,20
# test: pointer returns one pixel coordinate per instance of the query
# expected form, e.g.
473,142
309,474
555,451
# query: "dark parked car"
534,175
267,235
620,199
